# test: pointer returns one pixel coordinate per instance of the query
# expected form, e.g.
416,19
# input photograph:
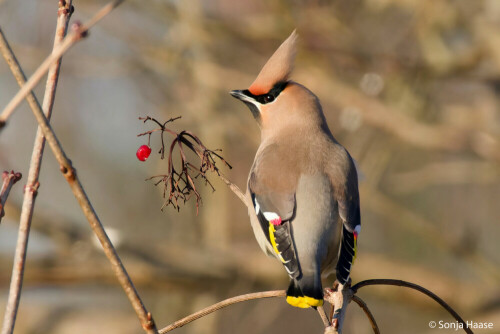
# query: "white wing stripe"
257,206
270,215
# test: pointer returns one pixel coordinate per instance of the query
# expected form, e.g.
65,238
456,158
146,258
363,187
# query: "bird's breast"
316,225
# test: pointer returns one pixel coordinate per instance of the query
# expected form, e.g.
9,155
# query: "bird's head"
273,98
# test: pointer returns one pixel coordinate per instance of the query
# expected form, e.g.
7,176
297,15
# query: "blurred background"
409,87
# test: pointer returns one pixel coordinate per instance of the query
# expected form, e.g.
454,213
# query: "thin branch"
69,173
324,318
30,191
77,34
220,305
417,287
368,313
236,190
340,297
9,179
13,64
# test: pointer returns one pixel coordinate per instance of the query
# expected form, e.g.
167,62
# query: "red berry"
143,152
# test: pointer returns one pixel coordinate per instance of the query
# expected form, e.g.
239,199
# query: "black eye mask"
270,96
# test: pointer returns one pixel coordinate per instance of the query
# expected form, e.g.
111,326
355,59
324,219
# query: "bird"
303,184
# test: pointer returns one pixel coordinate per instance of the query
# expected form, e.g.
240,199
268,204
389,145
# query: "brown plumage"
278,67
303,183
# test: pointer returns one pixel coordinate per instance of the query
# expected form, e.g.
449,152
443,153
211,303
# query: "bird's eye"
268,98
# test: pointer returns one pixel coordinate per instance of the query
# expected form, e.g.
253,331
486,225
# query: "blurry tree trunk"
213,215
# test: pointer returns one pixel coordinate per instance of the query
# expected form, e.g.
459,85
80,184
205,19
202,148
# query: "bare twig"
417,287
77,34
69,173
322,315
76,186
9,179
16,70
30,191
178,183
220,305
237,191
368,313
340,297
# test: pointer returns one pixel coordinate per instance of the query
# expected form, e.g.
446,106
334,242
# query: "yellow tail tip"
304,302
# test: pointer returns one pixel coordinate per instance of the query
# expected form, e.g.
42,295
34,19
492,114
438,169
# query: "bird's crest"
278,67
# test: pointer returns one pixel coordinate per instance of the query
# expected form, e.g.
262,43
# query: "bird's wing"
276,226
272,184
347,255
349,212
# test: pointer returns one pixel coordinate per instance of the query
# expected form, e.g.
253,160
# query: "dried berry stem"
178,182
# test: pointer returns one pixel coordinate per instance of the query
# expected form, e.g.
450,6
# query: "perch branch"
9,179
220,305
79,31
69,173
324,318
63,15
417,287
368,313
339,297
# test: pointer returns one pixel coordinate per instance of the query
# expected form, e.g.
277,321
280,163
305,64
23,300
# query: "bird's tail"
305,292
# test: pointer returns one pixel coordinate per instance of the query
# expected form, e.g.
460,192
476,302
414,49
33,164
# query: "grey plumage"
303,184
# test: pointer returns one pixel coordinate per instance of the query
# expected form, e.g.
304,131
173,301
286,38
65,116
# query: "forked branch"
71,176
420,289
63,15
340,295
79,31
8,180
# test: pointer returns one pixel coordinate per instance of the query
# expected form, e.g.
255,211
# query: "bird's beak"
240,95
250,102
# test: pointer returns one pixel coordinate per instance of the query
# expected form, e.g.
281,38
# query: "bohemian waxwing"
303,184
